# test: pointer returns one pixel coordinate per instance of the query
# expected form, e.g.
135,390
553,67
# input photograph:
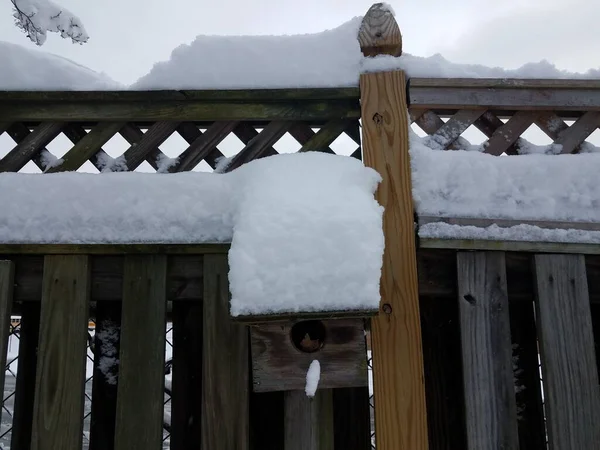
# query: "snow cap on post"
379,33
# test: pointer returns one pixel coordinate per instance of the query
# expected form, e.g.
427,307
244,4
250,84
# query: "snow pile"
25,69
312,378
37,17
527,187
328,59
109,359
305,230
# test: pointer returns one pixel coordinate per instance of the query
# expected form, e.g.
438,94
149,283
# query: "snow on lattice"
536,186
305,229
27,69
38,17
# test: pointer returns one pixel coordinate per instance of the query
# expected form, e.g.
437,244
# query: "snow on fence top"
305,230
332,58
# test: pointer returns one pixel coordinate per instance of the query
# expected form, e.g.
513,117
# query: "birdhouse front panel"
282,352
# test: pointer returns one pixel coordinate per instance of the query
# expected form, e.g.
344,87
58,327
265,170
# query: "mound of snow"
26,69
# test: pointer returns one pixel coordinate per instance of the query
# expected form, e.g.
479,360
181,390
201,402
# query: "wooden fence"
458,341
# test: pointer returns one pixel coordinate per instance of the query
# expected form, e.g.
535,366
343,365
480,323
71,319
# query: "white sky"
128,36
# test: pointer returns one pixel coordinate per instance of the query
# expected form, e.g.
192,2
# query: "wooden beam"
400,411
7,274
308,421
490,403
509,246
112,249
572,398
225,365
140,394
507,223
504,94
60,377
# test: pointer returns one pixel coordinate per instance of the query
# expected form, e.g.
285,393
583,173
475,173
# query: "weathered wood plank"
25,387
246,133
443,372
106,371
191,133
504,137
302,132
186,393
351,419
30,146
509,246
455,126
571,138
201,147
490,404
134,136
279,366
550,124
572,397
308,422
19,132
87,147
396,333
257,146
225,383
505,94
530,412
142,354
75,132
179,110
146,148
323,138
60,376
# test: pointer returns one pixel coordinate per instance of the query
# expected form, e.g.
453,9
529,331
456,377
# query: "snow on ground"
27,69
535,186
305,230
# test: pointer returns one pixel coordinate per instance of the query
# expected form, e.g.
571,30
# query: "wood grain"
396,333
142,354
7,275
490,404
567,351
509,246
225,383
379,33
60,376
308,422
146,148
279,366
30,146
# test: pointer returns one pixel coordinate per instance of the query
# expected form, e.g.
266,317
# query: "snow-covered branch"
37,17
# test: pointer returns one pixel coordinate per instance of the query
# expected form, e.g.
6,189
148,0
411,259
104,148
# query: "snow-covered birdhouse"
283,352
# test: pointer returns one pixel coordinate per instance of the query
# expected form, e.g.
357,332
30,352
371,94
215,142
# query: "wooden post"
7,273
398,376
308,421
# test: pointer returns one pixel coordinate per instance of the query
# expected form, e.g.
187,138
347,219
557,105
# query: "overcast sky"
128,36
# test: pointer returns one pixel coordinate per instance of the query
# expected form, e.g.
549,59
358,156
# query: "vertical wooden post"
308,421
7,273
398,377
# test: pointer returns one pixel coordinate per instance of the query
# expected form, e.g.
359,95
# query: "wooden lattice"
505,137
144,139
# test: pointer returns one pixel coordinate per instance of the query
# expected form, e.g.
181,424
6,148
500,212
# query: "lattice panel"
505,136
166,146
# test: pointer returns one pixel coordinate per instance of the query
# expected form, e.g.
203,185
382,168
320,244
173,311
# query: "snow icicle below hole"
312,378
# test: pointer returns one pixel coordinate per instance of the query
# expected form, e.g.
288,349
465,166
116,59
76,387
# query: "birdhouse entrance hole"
308,336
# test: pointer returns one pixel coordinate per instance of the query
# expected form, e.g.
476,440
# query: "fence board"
351,419
104,384
30,146
257,147
142,354
486,347
567,352
308,421
186,393
225,382
7,275
24,392
60,375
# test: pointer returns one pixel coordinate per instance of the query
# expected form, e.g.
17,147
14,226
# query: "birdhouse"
282,352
